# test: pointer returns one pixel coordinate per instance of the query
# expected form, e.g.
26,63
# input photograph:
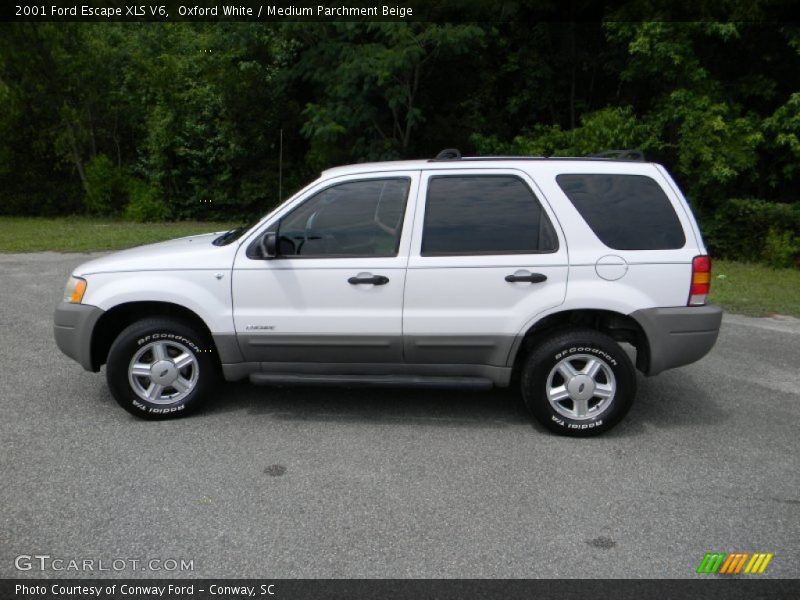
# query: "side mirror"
269,245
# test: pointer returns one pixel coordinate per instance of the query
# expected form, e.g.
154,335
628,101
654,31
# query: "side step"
475,383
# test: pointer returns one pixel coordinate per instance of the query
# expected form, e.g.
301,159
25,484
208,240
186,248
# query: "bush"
605,129
752,230
145,205
106,187
781,249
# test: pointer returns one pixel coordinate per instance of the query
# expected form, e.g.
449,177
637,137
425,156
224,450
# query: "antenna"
280,168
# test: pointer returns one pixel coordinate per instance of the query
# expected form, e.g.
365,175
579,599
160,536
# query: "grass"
755,290
81,234
750,289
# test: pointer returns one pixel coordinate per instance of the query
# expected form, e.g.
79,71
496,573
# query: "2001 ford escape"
473,272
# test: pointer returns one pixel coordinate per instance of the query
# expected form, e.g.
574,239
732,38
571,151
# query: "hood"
192,252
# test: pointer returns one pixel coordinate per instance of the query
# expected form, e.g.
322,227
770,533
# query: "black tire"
175,337
577,346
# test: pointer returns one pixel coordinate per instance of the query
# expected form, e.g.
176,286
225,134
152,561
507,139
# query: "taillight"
701,280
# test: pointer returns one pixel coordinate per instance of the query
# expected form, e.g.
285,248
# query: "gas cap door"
611,267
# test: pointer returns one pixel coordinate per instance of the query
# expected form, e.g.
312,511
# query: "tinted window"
358,218
477,214
626,212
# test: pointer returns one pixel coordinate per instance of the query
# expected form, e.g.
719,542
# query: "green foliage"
712,147
192,113
369,82
106,185
713,142
782,129
752,229
781,249
613,127
145,205
192,109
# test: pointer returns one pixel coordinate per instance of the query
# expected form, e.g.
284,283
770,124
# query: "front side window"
626,212
354,219
484,214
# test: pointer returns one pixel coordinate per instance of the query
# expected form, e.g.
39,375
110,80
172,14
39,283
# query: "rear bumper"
678,336
74,324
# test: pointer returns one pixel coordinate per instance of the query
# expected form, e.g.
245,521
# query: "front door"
487,257
334,293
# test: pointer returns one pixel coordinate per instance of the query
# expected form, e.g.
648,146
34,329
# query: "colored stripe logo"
734,563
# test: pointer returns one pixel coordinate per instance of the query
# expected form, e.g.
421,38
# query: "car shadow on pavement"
441,408
672,400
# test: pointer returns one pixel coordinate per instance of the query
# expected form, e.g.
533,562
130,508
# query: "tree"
368,80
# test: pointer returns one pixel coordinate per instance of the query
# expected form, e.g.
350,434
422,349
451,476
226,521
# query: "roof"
465,162
387,165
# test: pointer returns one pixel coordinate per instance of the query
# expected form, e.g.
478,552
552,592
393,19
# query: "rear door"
487,255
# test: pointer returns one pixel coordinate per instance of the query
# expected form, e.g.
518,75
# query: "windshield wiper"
229,236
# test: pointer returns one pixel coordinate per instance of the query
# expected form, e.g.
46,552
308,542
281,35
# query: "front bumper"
74,324
678,336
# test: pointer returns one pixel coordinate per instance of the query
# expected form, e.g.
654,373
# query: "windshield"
237,232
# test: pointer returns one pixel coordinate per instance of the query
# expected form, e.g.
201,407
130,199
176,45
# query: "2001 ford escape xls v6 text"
453,272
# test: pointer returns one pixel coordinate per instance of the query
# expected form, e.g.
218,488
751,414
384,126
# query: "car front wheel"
161,368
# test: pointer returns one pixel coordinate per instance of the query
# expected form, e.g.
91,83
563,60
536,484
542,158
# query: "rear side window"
626,212
484,214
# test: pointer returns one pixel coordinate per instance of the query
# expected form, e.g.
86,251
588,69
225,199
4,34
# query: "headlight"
75,289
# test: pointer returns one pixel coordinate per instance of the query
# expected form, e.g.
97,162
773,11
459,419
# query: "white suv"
451,272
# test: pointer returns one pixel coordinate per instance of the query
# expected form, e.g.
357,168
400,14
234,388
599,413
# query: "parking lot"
326,482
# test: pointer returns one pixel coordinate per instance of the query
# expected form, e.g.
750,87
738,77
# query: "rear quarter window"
625,212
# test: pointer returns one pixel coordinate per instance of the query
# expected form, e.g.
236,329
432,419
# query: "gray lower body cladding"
678,336
73,327
440,349
498,376
363,355
675,336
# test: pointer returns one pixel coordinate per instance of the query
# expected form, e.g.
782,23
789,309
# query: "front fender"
201,291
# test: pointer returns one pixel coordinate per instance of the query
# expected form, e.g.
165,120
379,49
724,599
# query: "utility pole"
280,168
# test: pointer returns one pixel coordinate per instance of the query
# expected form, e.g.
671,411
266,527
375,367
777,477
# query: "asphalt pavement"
316,482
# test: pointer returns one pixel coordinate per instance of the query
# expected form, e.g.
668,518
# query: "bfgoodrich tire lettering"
579,382
161,368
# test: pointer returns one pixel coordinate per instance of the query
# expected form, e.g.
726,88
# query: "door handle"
532,278
369,279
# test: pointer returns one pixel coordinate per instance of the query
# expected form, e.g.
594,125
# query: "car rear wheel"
161,368
579,382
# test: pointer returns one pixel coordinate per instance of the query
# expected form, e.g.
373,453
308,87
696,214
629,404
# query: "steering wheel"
298,241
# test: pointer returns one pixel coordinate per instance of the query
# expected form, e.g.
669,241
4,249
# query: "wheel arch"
620,327
117,318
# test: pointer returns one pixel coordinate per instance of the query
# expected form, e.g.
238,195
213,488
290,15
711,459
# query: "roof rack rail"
636,155
625,154
449,154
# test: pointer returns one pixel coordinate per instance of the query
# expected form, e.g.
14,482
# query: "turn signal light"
701,280
74,290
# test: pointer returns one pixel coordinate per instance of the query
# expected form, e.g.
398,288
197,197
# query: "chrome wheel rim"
581,387
163,372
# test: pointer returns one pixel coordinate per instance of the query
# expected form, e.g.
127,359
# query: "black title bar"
397,10
710,588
